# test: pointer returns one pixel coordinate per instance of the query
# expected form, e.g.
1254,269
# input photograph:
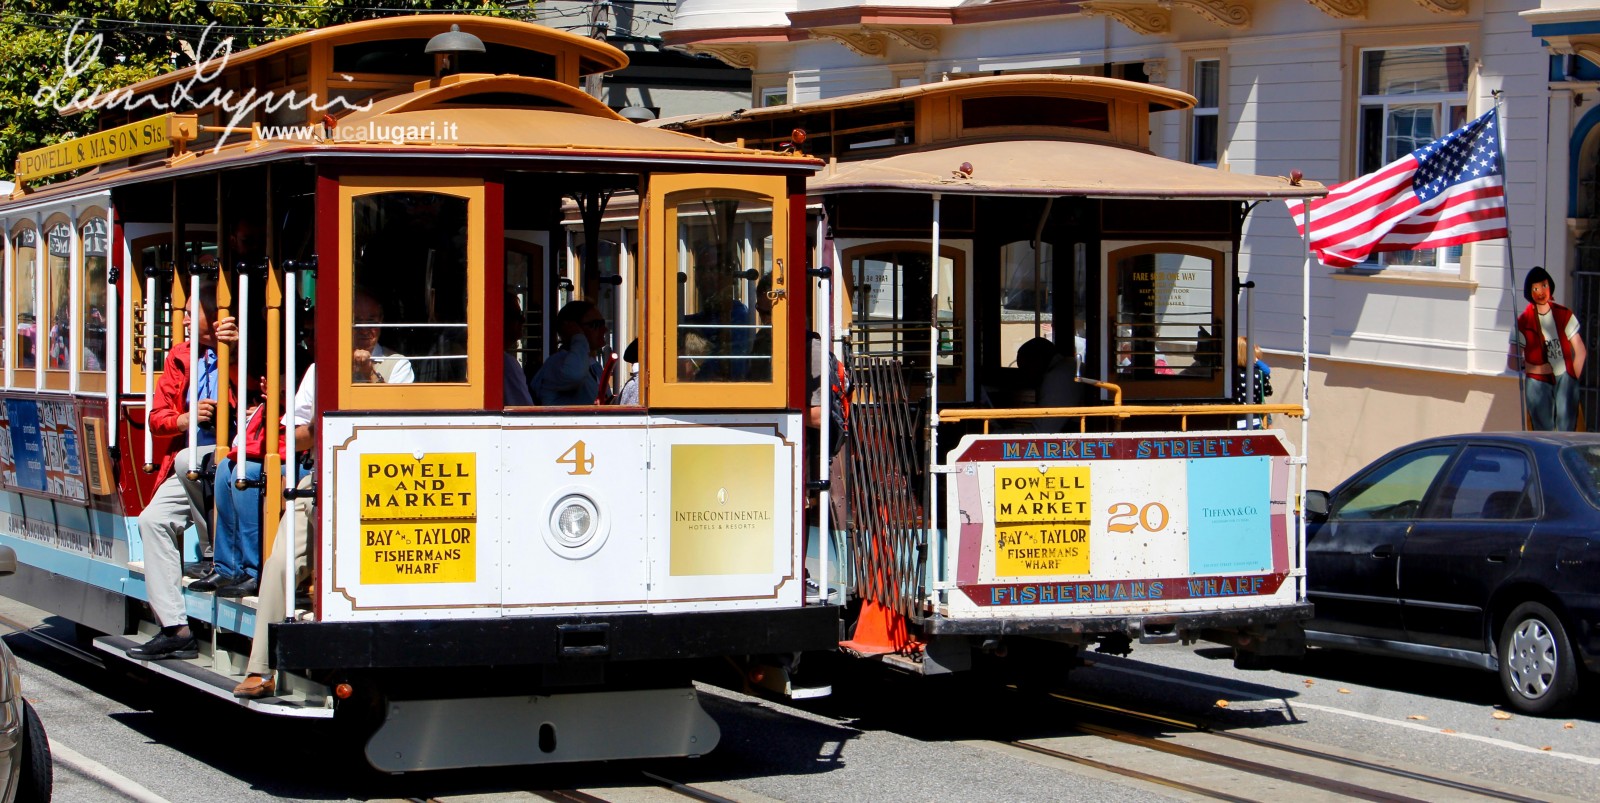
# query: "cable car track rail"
1299,777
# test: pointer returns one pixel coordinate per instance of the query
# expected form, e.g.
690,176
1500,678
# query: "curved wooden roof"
593,55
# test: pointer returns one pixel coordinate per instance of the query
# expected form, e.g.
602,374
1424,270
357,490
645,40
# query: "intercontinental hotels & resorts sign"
151,135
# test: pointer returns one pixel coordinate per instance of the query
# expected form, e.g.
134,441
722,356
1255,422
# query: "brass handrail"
1117,410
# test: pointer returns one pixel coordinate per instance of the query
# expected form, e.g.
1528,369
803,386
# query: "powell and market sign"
123,142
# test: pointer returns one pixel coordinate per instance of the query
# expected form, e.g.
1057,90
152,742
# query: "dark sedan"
1480,550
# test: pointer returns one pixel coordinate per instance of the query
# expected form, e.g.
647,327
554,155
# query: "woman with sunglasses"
572,375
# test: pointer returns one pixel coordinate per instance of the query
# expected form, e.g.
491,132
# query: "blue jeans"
237,550
1552,406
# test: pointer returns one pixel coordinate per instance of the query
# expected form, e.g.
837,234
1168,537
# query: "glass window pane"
1206,74
724,253
26,271
1165,322
1394,490
1410,127
58,289
96,247
1487,483
409,305
1205,140
1417,70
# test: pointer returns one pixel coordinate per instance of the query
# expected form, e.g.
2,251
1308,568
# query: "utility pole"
599,28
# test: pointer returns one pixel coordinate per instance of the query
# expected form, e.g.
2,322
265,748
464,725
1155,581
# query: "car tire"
36,780
1538,670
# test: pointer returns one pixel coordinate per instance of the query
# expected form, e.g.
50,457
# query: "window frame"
467,395
1223,275
1356,43
954,385
85,379
660,353
1190,133
55,378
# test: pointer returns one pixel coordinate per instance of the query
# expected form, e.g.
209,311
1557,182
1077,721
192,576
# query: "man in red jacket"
1551,355
179,500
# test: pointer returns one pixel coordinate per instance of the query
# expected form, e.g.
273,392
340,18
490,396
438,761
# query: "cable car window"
58,268
889,304
23,272
96,248
724,250
409,302
1166,324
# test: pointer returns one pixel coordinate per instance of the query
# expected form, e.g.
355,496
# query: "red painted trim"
327,294
798,286
494,278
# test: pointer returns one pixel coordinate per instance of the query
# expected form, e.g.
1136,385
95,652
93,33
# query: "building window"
1410,97
1206,83
774,96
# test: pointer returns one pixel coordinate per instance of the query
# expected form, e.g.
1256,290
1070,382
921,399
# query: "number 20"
1126,511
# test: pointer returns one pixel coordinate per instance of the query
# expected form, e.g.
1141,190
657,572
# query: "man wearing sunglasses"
572,375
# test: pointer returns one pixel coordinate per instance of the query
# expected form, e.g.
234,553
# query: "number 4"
577,457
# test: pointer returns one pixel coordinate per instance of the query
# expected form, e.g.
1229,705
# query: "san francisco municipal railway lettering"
419,518
1041,521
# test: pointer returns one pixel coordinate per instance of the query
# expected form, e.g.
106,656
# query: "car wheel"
35,782
1537,668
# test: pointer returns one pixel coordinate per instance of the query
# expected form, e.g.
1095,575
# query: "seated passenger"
371,362
297,524
629,395
514,382
1053,374
572,375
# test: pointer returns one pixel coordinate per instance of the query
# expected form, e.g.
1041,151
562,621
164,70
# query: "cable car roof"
1051,168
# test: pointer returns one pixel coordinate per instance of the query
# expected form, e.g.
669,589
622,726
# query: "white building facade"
1408,346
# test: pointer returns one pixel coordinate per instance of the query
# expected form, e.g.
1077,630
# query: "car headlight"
11,684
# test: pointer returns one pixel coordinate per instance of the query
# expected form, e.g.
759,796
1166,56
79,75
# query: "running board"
216,684
1421,652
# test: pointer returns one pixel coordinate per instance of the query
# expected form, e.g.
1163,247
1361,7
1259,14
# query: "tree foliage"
144,38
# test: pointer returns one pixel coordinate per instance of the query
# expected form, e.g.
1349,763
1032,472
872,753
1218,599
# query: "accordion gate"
884,513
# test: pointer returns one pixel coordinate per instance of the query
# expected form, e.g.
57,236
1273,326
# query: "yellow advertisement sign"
122,142
419,518
722,509
403,486
1041,521
435,552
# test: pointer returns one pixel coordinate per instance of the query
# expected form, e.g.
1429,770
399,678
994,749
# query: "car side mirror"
8,561
1316,506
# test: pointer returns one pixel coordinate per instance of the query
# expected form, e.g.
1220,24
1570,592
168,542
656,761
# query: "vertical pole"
1250,350
1305,403
74,321
149,365
271,466
116,265
194,369
244,377
824,310
933,383
291,463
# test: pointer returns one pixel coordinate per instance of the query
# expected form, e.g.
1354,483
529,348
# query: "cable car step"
192,674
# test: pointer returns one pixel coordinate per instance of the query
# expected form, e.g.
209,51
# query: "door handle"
1383,551
1497,557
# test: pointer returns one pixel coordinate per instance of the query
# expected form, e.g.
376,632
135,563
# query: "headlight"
577,526
11,687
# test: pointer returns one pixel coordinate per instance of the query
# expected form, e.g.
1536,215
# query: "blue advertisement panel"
1229,503
27,444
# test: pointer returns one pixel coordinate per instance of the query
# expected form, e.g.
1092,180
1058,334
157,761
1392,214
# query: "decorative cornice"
1156,70
736,56
1342,9
1585,47
1148,19
863,42
1454,8
1227,13
908,35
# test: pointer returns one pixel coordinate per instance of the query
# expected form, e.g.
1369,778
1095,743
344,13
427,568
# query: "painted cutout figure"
1548,351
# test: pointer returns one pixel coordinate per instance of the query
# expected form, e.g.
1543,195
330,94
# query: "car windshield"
1583,462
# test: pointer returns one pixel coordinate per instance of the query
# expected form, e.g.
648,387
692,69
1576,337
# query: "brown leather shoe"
255,687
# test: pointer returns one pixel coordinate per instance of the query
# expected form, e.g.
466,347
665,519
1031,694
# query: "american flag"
1448,192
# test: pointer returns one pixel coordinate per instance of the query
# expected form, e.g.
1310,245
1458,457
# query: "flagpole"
1511,267
1305,404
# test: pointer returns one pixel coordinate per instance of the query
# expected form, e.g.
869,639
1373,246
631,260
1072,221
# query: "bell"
454,41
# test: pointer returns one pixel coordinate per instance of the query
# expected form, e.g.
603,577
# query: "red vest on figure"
1533,337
